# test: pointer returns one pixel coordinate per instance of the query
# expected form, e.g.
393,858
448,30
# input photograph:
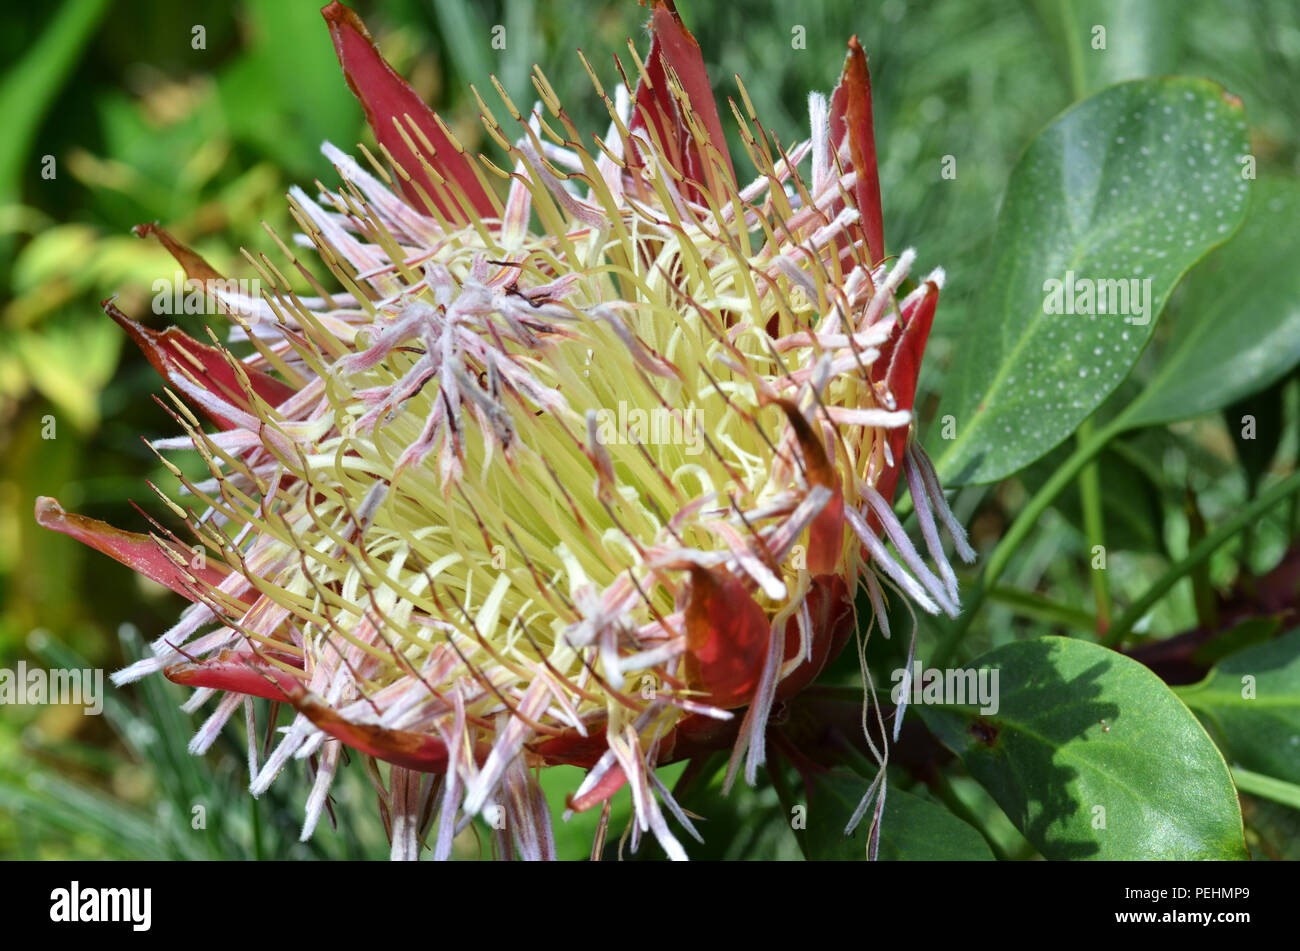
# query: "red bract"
436,168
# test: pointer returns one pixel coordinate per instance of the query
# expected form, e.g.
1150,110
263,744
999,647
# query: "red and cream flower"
576,476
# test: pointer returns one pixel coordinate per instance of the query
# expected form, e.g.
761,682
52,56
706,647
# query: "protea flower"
573,478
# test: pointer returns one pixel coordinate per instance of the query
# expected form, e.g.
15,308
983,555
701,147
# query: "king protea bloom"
589,475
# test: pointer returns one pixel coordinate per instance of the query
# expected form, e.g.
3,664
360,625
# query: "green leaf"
30,85
69,364
461,23
1092,756
912,828
1251,703
1238,327
917,830
1257,445
1134,184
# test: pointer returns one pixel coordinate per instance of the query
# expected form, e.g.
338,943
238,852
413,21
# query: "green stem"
255,817
1027,520
1024,523
1203,594
1073,51
1093,527
1198,554
1267,787
1248,536
1032,605
1293,520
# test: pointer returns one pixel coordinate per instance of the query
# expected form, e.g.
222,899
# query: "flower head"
587,475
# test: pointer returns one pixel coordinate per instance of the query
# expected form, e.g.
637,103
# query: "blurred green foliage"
114,117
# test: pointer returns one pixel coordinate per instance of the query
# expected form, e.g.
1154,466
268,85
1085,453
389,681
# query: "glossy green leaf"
1109,205
1251,703
1092,756
912,828
1237,329
918,830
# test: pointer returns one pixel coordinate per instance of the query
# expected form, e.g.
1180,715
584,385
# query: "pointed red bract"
401,747
899,366
673,46
850,114
195,266
174,351
726,639
141,553
613,780
386,96
240,672
571,748
826,533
